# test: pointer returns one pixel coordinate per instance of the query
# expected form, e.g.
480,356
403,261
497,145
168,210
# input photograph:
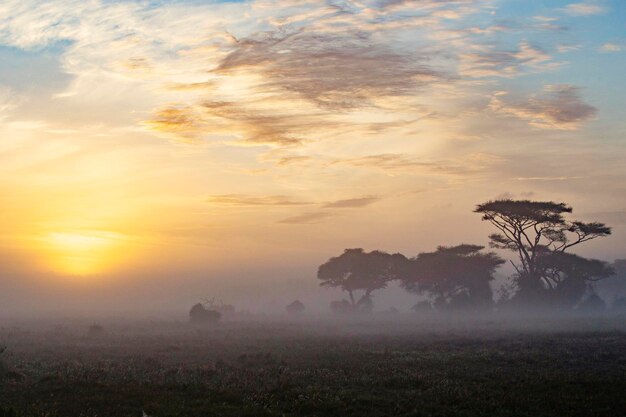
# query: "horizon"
156,153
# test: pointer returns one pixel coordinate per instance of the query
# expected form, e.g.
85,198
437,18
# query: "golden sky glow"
82,254
192,136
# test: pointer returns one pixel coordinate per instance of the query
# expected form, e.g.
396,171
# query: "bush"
295,308
200,314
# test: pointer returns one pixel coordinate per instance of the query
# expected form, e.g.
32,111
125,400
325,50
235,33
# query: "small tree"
356,270
614,287
455,277
572,277
214,304
199,314
295,308
535,230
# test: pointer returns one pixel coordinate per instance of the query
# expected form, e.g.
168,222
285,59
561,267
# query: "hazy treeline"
538,234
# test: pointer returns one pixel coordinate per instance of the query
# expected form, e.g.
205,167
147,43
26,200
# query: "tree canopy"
457,275
357,270
539,233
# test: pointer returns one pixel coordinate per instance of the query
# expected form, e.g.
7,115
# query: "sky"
153,153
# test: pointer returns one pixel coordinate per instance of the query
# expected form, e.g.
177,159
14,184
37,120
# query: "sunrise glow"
82,254
207,144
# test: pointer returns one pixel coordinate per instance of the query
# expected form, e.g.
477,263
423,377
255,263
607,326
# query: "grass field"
394,367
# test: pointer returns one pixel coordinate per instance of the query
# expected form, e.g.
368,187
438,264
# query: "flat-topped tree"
356,270
569,276
535,229
456,276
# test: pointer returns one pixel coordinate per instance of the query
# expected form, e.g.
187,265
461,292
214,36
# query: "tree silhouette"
571,276
200,314
455,277
537,231
356,270
614,287
295,308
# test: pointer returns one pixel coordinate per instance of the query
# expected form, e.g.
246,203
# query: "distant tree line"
538,235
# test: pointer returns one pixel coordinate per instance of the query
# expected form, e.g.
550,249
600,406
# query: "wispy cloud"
486,62
586,8
556,107
7,102
611,47
308,218
466,165
353,202
244,200
183,121
333,70
557,178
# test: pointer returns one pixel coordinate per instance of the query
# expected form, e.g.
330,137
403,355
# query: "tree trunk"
351,298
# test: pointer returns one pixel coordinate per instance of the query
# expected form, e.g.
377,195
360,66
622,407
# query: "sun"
83,253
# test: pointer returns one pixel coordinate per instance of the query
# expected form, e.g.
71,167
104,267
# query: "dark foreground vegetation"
399,367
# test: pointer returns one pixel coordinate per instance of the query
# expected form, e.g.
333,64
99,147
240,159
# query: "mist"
321,208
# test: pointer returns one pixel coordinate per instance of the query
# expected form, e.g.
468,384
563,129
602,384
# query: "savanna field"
390,366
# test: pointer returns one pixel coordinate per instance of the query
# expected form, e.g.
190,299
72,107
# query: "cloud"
611,47
182,120
486,62
281,158
261,126
585,9
255,201
308,218
295,159
403,163
556,178
7,102
340,70
384,161
255,125
556,107
353,202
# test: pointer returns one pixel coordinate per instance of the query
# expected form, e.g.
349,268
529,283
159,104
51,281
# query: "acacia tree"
535,231
572,276
356,270
614,287
456,276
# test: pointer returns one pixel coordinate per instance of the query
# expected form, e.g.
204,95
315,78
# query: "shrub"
295,308
200,314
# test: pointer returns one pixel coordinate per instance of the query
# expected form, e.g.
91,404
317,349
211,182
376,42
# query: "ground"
396,366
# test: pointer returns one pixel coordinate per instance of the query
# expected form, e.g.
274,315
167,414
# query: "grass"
316,369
